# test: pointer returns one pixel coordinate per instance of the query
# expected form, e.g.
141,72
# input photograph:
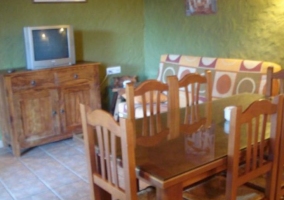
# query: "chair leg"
137,183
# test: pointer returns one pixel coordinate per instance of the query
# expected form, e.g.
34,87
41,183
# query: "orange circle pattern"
223,84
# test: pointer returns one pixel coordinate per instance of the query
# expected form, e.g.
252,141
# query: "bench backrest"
229,76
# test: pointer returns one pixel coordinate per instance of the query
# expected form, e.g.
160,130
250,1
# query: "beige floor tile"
4,194
74,191
53,171
42,196
26,187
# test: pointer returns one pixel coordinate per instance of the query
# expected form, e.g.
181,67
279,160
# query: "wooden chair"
109,175
259,182
191,85
273,77
151,98
250,155
280,172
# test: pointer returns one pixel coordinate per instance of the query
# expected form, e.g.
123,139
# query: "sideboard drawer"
32,80
78,74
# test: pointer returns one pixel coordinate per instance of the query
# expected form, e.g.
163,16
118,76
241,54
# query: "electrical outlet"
113,70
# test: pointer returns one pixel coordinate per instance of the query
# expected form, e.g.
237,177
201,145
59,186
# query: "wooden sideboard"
42,106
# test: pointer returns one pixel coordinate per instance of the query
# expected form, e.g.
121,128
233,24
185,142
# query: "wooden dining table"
177,163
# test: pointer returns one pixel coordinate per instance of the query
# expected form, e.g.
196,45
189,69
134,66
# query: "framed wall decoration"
55,1
200,7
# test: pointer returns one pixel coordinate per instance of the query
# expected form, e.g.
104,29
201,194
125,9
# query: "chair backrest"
275,82
105,142
280,172
192,85
151,98
257,130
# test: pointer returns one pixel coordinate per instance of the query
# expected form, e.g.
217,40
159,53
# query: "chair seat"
149,193
259,182
215,189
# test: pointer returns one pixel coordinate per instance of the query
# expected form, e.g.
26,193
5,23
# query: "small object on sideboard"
118,88
11,71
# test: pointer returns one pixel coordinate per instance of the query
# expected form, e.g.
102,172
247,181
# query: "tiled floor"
48,172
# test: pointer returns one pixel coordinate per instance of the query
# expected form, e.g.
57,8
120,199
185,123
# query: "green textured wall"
110,32
134,33
251,29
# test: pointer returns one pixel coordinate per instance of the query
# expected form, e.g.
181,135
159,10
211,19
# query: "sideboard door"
37,116
70,98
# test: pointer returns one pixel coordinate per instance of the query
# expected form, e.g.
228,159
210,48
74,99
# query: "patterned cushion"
229,76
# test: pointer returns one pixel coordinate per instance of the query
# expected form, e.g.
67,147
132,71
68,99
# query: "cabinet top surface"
8,72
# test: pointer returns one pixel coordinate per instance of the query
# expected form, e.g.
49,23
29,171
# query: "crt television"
49,46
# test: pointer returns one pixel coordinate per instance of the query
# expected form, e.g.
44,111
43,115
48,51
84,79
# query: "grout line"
62,163
42,180
7,189
1,144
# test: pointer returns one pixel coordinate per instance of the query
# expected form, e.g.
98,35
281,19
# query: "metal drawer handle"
54,113
62,111
76,76
33,82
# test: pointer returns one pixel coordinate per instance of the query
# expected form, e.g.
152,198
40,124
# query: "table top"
185,153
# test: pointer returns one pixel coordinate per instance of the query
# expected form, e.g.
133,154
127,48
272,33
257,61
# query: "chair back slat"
276,80
262,142
150,92
187,109
114,171
101,152
261,145
249,147
192,85
281,86
110,155
280,172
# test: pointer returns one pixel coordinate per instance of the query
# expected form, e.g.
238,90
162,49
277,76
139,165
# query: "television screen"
49,46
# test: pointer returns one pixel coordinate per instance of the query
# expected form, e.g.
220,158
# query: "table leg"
170,193
101,194
113,102
115,113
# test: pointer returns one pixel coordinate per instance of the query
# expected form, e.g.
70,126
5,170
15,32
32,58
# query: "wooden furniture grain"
106,175
259,157
150,93
280,172
275,82
229,76
41,106
189,87
175,164
191,84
